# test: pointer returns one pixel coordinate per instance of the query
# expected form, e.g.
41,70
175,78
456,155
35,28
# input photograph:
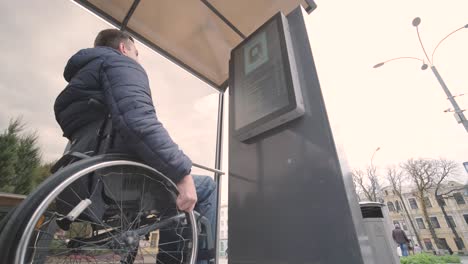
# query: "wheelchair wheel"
104,209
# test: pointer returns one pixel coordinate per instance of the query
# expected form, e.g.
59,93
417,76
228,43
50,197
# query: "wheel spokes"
94,239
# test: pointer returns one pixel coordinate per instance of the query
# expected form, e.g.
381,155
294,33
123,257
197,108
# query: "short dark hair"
111,38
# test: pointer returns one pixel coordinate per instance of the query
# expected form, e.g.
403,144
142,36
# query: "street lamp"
458,112
372,159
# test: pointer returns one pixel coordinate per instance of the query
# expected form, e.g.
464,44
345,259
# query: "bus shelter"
199,36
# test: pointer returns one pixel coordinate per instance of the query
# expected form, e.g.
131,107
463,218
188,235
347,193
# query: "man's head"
118,40
397,226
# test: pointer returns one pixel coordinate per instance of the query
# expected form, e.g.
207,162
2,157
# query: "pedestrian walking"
401,239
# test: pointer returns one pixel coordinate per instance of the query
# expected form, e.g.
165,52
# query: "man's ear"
122,48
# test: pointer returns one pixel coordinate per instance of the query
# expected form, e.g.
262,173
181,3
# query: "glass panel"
413,203
397,205
435,222
443,242
442,202
459,243
459,198
428,244
427,202
451,222
420,223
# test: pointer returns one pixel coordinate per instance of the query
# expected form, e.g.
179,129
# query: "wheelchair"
105,208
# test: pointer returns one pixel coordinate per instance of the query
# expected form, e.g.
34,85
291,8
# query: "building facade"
456,207
223,230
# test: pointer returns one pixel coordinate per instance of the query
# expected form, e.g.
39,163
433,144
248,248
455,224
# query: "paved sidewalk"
464,260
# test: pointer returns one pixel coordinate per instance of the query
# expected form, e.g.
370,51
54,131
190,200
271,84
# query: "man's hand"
187,194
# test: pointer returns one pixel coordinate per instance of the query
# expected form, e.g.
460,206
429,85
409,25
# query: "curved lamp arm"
399,58
420,42
440,42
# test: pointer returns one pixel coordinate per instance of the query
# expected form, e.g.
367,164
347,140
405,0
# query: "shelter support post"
218,159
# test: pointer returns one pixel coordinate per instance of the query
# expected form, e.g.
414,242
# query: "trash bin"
377,228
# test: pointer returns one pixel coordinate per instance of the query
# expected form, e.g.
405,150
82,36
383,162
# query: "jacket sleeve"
128,97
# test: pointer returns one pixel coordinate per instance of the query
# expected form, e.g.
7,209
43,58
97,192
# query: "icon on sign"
255,53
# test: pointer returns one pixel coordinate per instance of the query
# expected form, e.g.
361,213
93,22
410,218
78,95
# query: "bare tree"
445,169
395,177
358,182
367,183
423,173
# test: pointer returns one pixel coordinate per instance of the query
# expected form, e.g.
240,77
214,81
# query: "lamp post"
458,112
372,159
372,176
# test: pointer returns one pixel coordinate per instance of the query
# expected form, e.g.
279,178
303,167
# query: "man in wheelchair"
107,108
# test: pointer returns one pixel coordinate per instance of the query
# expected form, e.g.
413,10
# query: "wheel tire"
6,219
19,219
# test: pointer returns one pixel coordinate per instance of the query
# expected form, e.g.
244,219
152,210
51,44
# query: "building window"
435,222
221,247
459,198
450,221
441,201
413,203
397,206
420,223
427,202
443,242
466,218
459,243
428,243
390,207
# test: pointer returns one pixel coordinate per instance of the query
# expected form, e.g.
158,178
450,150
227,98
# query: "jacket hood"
83,57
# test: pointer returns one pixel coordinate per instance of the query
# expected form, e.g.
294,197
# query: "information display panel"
263,80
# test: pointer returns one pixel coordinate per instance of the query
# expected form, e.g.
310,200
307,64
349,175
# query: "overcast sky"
43,35
398,107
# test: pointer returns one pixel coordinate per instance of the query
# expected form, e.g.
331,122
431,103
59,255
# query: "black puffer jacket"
106,75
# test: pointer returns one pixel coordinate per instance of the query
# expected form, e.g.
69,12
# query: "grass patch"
430,259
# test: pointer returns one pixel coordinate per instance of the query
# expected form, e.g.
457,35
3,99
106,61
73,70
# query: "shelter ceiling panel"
117,9
198,35
190,32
